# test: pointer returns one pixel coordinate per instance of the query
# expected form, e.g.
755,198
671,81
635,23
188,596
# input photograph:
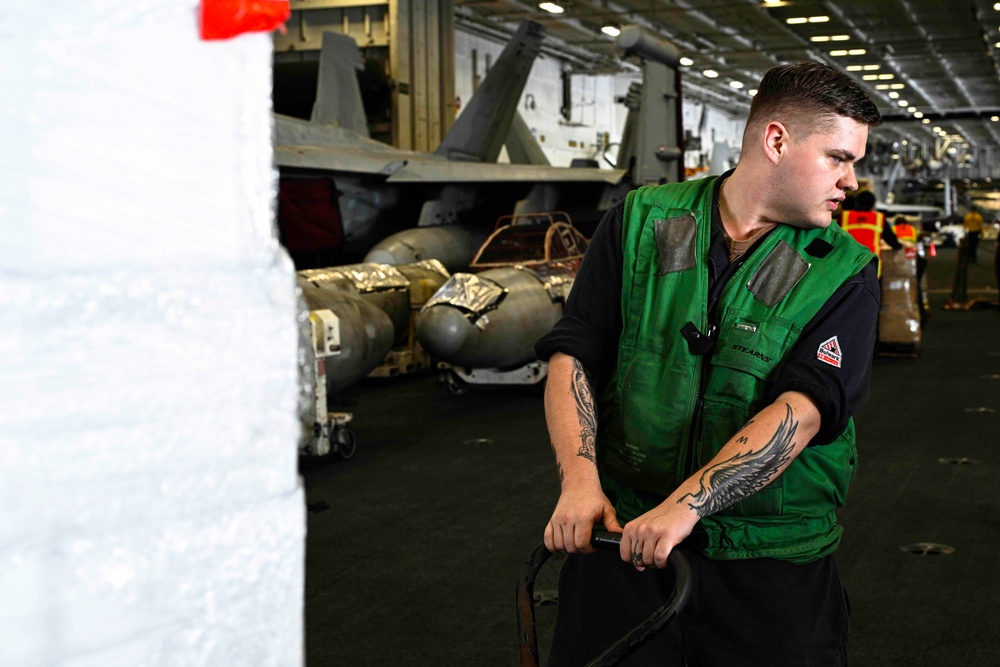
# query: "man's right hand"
580,507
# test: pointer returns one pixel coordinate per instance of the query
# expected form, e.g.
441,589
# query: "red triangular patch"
829,352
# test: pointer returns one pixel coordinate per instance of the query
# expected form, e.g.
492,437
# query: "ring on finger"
637,558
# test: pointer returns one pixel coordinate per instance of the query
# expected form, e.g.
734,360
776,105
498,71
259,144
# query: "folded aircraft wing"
307,145
446,171
341,159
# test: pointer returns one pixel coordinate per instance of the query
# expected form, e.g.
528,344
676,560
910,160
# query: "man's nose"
848,181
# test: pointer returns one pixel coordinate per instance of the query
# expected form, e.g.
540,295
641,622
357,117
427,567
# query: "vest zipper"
694,437
714,295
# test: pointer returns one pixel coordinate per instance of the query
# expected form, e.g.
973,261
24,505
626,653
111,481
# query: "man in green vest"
717,341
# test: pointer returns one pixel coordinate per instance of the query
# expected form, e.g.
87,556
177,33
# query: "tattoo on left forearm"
731,481
583,395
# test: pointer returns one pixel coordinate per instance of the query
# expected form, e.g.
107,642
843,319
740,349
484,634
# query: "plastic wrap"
469,293
153,511
364,278
432,266
557,279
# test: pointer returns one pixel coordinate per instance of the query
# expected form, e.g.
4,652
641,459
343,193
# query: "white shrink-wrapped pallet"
153,514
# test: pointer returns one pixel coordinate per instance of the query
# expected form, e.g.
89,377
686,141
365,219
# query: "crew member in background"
867,226
903,230
973,228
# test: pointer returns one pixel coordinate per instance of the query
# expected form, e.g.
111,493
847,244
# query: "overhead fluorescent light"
886,77
753,91
903,103
918,114
819,38
551,7
686,62
819,19
857,52
870,77
872,68
853,68
926,121
995,118
736,84
937,129
883,86
796,20
911,110
838,53
839,38
897,86
611,30
710,73
893,95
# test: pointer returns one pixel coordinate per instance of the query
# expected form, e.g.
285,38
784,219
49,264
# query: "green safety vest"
650,436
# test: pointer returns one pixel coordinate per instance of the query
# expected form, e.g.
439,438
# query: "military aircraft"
648,152
377,189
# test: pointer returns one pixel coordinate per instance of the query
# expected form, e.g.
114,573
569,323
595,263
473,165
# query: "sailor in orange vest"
904,230
867,226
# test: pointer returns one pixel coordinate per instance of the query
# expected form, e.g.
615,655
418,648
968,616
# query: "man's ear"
775,141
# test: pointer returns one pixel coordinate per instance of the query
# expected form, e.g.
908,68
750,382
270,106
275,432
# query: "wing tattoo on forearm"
583,396
742,475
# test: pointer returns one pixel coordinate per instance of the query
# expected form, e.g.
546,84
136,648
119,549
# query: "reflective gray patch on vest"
777,274
676,243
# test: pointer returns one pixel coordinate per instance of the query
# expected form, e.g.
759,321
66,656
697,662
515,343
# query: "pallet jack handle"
624,646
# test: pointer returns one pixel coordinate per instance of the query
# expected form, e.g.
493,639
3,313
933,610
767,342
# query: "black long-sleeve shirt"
592,323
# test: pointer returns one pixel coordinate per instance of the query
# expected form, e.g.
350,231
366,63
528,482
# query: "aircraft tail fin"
522,147
720,158
338,95
627,149
480,131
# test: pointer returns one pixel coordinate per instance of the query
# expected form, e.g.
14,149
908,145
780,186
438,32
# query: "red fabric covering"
222,19
307,214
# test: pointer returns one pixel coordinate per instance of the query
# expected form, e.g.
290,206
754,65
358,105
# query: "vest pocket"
753,344
648,453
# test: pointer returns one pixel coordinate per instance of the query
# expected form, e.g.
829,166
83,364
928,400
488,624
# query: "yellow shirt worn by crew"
973,221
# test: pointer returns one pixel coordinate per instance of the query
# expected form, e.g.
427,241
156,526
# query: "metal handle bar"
624,646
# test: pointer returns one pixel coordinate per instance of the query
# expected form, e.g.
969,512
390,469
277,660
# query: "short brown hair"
810,93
